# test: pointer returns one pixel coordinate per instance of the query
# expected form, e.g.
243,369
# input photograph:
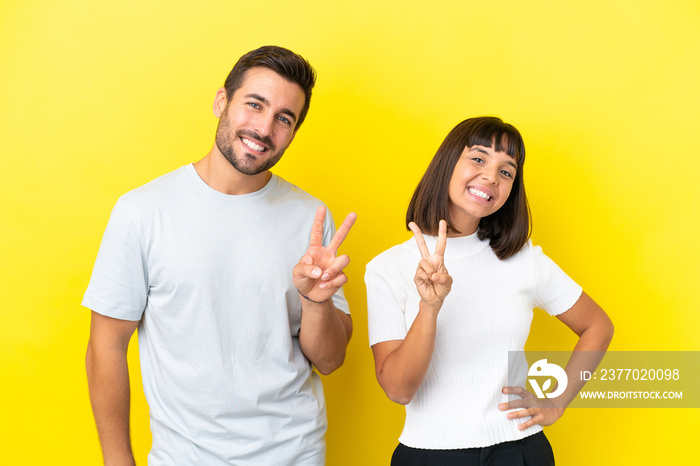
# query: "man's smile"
252,145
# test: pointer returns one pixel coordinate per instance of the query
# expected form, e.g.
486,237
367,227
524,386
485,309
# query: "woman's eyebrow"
478,149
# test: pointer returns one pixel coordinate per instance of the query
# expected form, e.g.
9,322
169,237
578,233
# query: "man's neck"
220,175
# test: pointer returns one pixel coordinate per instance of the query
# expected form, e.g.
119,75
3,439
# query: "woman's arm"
401,365
595,330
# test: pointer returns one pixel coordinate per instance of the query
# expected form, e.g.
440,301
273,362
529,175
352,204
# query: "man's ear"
220,102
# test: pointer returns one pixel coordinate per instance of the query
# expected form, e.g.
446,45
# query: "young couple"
232,277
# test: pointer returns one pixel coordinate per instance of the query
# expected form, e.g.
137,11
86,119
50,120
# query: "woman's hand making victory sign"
431,279
319,273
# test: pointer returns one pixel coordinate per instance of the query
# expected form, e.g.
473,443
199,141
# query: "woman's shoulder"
533,258
526,252
395,256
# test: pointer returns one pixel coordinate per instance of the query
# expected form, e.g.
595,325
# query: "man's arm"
325,331
324,335
108,380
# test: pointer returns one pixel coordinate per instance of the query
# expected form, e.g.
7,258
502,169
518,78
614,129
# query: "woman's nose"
490,174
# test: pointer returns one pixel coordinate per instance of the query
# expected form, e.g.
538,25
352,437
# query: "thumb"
308,271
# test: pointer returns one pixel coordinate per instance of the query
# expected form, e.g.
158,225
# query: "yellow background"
100,97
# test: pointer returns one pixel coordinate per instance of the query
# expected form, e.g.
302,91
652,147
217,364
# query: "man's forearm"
108,380
324,335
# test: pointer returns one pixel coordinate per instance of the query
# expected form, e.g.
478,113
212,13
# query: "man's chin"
250,169
251,165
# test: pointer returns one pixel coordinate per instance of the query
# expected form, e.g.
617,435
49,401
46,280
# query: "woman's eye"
507,173
478,160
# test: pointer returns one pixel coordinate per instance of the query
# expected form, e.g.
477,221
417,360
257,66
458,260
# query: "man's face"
258,123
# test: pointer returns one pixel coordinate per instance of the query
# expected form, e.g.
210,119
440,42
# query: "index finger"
442,239
422,247
317,228
342,232
518,391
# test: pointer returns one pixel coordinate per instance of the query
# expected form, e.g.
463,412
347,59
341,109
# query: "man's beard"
246,163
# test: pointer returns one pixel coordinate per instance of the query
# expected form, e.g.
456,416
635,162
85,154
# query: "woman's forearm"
405,366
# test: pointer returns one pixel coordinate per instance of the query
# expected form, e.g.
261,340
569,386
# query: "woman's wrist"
432,307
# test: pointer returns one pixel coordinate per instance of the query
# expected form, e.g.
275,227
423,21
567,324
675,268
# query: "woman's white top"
487,314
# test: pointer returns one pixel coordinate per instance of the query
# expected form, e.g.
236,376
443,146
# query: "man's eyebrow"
483,151
258,97
262,99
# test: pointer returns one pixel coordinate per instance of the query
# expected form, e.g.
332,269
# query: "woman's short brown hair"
508,228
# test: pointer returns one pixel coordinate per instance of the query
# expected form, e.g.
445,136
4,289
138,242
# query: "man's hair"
284,62
508,228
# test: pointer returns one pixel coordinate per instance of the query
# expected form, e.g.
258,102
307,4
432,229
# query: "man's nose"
264,125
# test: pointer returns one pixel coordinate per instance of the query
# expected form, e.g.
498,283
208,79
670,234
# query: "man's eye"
254,105
285,120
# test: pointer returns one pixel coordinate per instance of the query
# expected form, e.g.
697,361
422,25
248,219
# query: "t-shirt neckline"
207,190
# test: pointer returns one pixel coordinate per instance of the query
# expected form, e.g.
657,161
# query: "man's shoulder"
290,193
159,188
154,195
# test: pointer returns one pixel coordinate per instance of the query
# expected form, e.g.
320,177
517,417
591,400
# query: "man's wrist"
311,300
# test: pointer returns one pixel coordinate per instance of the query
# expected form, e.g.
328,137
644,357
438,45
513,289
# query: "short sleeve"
555,291
386,302
119,283
339,300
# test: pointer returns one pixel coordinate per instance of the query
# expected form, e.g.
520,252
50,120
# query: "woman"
441,339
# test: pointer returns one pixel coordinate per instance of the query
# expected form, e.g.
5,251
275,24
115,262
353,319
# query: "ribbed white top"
487,314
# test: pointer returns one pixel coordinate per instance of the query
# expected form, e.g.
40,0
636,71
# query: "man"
233,301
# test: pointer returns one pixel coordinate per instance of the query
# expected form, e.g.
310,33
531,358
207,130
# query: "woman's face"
480,185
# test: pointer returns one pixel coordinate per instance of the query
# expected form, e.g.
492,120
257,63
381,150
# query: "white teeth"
479,193
253,146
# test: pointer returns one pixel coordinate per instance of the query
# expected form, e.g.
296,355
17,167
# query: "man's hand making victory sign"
319,273
431,279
